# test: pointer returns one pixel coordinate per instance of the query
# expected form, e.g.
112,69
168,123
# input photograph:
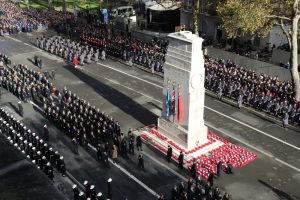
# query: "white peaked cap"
99,194
109,180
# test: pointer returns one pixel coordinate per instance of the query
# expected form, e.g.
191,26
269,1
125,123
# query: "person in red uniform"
75,62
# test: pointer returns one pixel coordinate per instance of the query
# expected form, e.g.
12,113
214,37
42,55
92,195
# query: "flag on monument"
179,107
173,103
168,99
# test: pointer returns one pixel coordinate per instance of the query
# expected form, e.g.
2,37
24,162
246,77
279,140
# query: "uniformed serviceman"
141,162
169,153
139,143
75,192
180,160
131,146
109,188
46,133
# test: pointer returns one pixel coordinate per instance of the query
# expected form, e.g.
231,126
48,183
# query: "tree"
258,17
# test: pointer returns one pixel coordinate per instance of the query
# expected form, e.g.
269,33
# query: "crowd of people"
31,145
198,189
13,19
259,91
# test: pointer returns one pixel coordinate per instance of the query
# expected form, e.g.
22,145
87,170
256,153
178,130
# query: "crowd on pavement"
13,19
260,91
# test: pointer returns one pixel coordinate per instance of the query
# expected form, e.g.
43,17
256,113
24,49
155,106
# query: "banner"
168,101
173,103
179,105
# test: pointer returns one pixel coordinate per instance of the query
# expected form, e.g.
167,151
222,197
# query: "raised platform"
207,155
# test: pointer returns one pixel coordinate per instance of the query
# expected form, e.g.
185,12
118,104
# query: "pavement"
133,97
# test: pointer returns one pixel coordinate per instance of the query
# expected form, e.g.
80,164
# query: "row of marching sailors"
69,50
31,145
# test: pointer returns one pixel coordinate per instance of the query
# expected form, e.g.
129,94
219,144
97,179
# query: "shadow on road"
281,194
116,98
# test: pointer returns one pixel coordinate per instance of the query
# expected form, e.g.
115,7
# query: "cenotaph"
181,125
183,92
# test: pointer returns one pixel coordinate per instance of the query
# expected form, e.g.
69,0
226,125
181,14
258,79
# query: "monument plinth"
183,92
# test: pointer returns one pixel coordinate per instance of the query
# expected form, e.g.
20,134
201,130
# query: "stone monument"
183,93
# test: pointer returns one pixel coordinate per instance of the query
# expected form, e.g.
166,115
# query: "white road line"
262,132
120,71
253,147
15,39
209,108
117,83
165,166
23,42
24,53
130,175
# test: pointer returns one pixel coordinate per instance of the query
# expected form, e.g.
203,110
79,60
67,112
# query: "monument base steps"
207,155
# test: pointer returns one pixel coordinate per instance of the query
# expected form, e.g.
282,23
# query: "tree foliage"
257,17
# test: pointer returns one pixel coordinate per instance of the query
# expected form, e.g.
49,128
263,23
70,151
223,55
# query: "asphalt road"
133,97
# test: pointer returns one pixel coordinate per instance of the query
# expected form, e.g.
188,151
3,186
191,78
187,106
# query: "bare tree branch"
288,36
279,17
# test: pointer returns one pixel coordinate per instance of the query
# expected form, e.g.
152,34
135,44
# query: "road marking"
165,166
253,147
15,39
129,175
24,53
251,127
117,83
23,42
120,71
75,181
209,108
